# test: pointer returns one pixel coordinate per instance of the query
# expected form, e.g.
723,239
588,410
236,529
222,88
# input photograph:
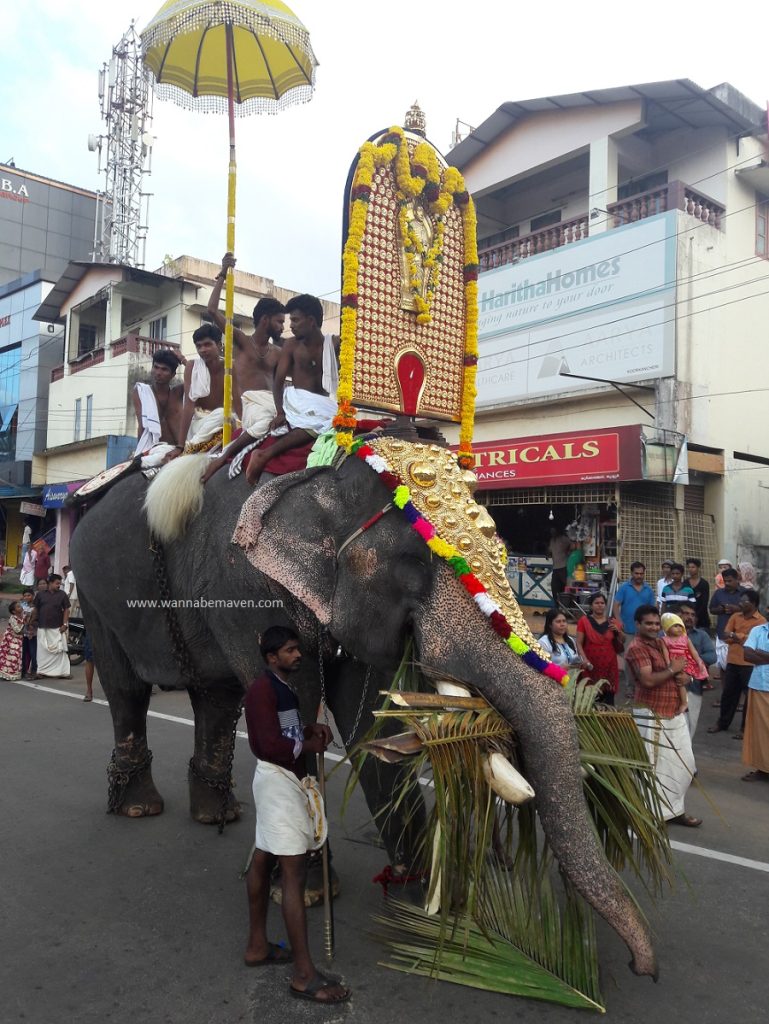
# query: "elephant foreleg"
353,694
132,791
212,801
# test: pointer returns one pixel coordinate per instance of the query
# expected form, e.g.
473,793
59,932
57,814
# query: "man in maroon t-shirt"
284,828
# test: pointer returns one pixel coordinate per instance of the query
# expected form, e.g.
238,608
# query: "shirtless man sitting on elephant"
203,413
306,408
255,358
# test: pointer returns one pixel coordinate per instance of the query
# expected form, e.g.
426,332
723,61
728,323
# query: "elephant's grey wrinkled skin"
385,584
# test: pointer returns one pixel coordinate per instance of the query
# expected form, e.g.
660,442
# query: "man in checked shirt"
658,716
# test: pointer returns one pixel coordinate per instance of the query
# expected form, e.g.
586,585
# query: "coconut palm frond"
471,955
624,797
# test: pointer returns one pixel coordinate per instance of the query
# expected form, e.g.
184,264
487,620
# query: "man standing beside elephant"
289,815
659,716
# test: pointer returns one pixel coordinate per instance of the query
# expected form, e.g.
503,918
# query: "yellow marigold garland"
414,176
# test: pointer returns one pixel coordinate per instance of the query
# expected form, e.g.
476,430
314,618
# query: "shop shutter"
700,541
694,498
647,534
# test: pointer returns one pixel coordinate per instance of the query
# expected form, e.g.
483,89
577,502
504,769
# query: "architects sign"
604,455
13,190
603,307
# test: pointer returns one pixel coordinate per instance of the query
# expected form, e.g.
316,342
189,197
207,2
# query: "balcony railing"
128,343
673,196
140,345
549,238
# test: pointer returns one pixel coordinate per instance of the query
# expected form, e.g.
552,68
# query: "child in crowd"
680,646
29,636
10,644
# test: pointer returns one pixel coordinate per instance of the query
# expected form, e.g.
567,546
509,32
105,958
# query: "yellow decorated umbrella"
234,56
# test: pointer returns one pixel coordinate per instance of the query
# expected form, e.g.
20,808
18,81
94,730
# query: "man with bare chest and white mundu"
255,358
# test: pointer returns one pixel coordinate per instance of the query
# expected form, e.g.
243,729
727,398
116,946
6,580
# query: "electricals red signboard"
606,454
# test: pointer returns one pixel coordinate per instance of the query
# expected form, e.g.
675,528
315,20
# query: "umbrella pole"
229,295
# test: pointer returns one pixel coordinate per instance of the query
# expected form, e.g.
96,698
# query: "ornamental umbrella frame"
242,56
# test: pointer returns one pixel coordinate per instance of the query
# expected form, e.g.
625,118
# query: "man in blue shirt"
755,746
631,595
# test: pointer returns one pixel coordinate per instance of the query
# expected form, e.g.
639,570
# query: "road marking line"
730,858
698,851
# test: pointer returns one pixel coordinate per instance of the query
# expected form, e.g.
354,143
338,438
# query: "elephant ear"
284,528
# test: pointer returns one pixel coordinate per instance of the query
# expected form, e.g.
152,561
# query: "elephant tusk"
505,781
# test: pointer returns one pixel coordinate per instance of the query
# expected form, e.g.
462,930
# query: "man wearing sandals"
289,815
755,747
659,716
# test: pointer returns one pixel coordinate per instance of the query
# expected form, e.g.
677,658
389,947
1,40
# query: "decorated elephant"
328,551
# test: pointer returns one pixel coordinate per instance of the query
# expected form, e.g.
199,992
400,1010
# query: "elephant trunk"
539,712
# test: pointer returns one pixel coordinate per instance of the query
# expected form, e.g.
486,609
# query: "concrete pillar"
113,321
73,332
602,183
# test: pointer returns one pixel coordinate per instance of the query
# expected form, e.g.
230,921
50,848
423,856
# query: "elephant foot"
208,798
132,791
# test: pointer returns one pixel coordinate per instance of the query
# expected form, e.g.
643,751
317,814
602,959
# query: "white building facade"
623,290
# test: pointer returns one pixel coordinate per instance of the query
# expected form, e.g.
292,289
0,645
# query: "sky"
460,61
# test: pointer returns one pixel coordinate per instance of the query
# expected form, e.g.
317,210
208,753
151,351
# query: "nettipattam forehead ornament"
436,496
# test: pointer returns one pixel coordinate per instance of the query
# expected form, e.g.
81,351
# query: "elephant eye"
410,573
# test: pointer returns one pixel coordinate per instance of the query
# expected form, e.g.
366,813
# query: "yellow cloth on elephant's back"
290,819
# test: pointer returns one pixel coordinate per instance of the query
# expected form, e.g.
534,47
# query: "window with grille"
762,228
597,494
86,339
159,328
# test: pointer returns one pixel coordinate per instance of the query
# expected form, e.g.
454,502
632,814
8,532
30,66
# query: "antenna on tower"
458,134
124,154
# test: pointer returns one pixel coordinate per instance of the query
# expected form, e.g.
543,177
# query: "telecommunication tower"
125,152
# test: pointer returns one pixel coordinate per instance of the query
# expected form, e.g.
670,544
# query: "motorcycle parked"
75,641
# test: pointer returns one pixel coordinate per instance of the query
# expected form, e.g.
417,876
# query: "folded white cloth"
150,418
308,411
290,819
330,366
257,412
200,380
205,424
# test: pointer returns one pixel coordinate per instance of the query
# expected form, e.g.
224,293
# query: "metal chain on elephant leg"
322,676
188,669
118,779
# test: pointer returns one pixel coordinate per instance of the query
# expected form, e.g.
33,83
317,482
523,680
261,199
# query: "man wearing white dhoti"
289,815
51,614
659,715
203,413
255,358
158,406
306,408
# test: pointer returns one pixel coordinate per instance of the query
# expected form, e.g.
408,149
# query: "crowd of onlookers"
661,638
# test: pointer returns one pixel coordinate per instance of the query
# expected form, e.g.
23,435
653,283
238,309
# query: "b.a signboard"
29,508
606,454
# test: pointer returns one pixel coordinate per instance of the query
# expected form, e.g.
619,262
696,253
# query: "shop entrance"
525,518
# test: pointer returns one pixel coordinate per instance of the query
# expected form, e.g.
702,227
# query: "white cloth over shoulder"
150,420
669,747
308,411
200,380
330,366
52,656
290,819
257,412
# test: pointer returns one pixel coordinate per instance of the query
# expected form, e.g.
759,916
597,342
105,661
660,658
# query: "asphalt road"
112,921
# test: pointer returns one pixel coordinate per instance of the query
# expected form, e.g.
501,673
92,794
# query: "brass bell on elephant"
485,523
